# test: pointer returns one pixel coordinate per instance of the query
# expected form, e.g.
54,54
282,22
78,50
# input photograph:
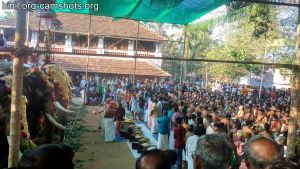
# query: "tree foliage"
248,38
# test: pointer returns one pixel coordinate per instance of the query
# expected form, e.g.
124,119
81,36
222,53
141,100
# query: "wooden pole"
17,87
295,97
135,52
282,65
27,29
185,53
87,59
262,73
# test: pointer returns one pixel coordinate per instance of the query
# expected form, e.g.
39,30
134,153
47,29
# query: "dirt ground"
95,153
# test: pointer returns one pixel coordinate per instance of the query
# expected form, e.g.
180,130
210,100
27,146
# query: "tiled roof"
104,26
108,66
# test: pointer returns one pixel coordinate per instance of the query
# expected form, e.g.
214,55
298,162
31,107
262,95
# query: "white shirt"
234,90
191,145
210,130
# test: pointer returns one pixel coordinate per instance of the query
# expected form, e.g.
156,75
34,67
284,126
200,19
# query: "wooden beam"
295,98
289,66
270,2
17,89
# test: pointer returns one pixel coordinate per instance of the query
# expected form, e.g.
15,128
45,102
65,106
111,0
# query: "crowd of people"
225,126
182,114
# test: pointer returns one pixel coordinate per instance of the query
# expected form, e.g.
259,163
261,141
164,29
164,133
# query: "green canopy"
168,11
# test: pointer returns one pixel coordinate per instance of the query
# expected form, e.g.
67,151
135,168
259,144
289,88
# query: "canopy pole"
87,59
185,54
262,74
182,62
17,88
27,29
135,52
295,96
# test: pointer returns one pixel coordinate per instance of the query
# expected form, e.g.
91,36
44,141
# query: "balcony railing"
80,50
84,50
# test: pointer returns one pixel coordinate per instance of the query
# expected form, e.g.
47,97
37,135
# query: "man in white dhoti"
163,131
109,126
191,145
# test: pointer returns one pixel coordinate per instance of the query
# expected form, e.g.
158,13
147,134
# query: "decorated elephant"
43,89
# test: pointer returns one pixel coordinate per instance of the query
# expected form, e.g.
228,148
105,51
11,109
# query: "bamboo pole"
295,96
283,65
262,74
135,52
17,87
270,2
87,59
27,29
182,66
185,53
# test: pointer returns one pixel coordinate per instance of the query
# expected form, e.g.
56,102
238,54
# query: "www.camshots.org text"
13,5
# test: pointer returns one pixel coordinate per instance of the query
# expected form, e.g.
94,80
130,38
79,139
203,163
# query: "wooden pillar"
87,61
295,97
17,87
186,53
136,50
27,28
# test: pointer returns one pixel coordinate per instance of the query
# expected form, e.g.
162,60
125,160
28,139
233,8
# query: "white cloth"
109,129
171,140
154,125
191,122
163,142
146,115
83,97
190,148
210,130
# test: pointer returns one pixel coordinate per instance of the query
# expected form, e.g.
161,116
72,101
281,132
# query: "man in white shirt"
191,145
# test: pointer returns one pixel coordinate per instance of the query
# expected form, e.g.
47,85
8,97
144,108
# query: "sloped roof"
104,26
108,66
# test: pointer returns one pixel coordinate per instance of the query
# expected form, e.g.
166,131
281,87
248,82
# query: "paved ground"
95,153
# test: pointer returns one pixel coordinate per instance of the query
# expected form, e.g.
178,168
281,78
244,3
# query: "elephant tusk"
51,119
60,107
74,107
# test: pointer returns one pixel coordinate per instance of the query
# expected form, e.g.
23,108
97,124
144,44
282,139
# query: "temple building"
112,43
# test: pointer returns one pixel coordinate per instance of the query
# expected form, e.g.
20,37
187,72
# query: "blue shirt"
163,125
170,113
